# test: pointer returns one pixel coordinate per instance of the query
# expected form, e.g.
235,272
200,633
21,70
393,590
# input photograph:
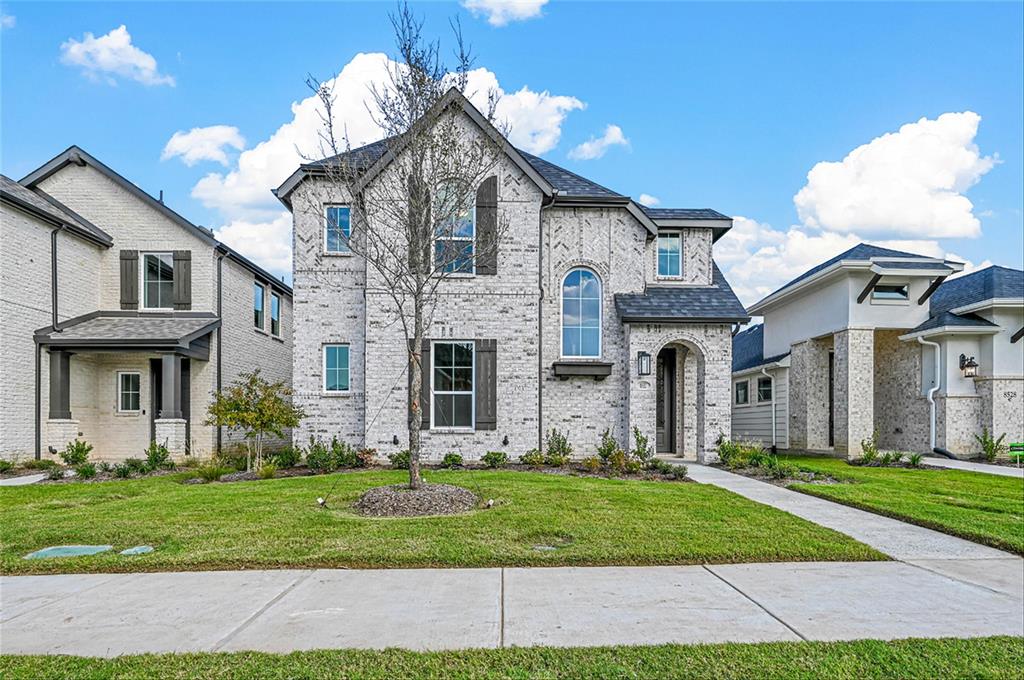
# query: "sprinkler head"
322,502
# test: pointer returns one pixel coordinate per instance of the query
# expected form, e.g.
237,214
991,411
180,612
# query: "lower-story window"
336,369
128,391
452,385
742,396
764,390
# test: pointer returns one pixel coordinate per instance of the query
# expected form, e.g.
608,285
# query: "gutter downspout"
53,279
220,299
931,396
764,371
54,321
540,320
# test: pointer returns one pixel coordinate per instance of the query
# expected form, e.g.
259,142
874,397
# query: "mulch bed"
430,499
763,475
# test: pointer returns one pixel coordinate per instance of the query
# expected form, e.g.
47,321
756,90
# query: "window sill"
891,303
325,393
260,331
331,253
452,430
127,414
598,370
277,337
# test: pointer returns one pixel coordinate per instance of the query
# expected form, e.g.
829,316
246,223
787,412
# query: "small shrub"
344,455
122,471
556,458
75,453
136,466
869,449
287,457
990,446
914,460
319,458
158,457
451,461
608,446
784,471
495,459
6,466
633,466
233,457
729,452
557,446
642,450
660,466
400,459
885,459
591,464
56,472
617,461
212,471
86,470
366,457
41,464
267,471
676,471
896,457
533,458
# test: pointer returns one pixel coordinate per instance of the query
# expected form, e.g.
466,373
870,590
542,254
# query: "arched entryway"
678,373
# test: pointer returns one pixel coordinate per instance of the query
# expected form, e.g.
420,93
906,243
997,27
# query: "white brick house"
647,342
877,340
122,317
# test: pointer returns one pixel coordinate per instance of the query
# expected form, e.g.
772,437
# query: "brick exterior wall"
957,421
808,394
902,413
854,389
1002,407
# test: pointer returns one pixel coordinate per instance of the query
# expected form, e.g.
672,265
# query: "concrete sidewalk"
282,611
984,468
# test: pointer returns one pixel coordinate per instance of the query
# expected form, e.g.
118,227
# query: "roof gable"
46,207
991,283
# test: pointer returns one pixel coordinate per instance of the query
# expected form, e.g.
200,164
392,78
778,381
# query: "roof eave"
951,330
632,318
988,303
49,219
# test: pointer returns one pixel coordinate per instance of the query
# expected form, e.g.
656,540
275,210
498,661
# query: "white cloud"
203,144
256,220
648,200
7,21
905,183
596,147
113,55
501,12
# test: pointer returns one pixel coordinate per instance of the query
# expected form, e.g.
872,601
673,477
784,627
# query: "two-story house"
596,313
121,317
878,340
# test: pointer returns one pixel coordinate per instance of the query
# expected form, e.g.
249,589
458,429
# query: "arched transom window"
581,314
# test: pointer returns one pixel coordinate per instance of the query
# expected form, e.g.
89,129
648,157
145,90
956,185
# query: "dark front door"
666,401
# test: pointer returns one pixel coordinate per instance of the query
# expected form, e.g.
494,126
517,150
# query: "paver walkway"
1001,470
430,609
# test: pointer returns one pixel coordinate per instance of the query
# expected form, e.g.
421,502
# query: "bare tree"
411,196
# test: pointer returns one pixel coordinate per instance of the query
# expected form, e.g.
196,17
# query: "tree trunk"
415,403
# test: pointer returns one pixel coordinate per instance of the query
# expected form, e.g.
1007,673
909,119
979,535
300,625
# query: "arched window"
581,314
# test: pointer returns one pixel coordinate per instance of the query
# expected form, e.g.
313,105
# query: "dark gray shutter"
129,279
487,227
425,389
183,279
486,379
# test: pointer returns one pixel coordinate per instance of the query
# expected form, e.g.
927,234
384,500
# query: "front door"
666,401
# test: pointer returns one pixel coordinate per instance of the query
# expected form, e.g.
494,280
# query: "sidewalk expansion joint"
756,603
259,612
501,612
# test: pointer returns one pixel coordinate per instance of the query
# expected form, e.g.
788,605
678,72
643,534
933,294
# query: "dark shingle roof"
568,183
988,283
141,330
716,303
360,158
914,265
949,319
862,252
40,202
748,349
683,213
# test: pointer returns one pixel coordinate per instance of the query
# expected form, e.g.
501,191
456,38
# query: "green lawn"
273,524
1000,657
985,508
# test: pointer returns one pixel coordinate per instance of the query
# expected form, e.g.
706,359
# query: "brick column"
808,394
854,389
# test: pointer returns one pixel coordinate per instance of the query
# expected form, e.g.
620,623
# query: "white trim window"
452,388
275,315
129,391
259,295
337,229
157,280
764,390
455,240
336,369
741,393
581,314
892,292
670,254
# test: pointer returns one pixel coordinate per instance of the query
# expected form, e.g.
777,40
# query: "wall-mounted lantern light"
968,366
394,440
643,363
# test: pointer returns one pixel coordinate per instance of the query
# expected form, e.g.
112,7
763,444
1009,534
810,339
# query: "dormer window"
670,254
891,291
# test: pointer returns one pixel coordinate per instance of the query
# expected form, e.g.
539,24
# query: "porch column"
60,385
170,365
854,389
808,393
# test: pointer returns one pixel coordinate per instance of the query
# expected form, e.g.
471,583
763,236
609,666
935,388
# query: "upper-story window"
581,314
891,291
258,295
454,242
670,254
337,229
157,281
275,314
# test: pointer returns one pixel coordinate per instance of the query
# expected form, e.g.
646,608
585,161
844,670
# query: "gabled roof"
683,304
991,283
568,183
47,208
748,350
950,320
75,155
684,214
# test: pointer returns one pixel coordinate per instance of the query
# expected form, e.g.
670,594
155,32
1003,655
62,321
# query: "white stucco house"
121,317
877,340
595,313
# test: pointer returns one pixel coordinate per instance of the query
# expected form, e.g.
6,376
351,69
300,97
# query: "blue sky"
724,105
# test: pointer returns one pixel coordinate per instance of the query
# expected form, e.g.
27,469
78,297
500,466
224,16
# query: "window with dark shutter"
487,227
129,279
182,279
486,384
425,389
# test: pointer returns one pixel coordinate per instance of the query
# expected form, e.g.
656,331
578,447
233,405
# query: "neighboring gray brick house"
853,347
121,317
598,314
